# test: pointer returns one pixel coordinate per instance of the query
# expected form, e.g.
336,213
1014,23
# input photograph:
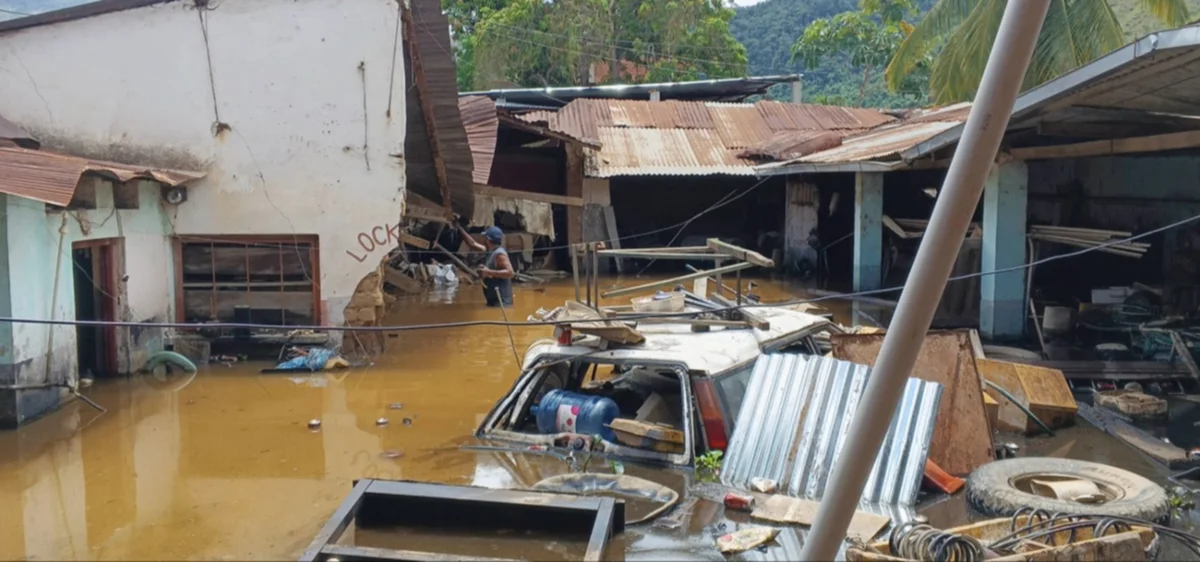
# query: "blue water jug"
568,412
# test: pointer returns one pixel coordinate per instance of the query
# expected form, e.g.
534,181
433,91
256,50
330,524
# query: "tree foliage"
1075,32
565,42
769,29
869,36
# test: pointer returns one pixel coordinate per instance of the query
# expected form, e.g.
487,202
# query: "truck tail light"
710,415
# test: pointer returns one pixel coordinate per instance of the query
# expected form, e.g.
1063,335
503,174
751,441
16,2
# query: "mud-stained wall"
293,108
41,285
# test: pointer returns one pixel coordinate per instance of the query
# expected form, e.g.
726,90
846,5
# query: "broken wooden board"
616,332
402,281
1044,391
1135,406
795,511
962,440
740,253
1173,457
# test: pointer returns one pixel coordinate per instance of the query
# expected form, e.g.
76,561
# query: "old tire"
993,489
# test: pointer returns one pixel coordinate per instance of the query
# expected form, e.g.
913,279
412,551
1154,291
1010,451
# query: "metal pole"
939,247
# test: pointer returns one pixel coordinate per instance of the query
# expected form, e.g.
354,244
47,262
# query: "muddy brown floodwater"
224,466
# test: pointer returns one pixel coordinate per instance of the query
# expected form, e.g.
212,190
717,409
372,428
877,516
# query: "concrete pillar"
1002,308
574,188
798,90
9,412
868,231
800,221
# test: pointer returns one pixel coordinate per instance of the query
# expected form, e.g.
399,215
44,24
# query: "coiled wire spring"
919,541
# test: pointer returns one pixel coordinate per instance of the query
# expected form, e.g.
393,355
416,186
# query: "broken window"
247,279
653,409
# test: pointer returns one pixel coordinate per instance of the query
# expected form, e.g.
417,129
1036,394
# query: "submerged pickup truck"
695,382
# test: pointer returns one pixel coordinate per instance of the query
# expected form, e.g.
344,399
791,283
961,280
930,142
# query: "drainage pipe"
959,196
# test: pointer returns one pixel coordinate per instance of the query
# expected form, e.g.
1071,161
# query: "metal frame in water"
388,503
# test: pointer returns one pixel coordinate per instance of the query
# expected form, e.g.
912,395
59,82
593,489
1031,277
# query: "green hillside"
769,28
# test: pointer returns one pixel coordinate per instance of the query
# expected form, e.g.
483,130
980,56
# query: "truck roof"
713,352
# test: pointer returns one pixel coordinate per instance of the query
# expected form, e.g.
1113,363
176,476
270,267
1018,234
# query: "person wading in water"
497,272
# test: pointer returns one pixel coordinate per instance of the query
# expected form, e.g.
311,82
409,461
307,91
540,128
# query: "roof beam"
1154,143
528,195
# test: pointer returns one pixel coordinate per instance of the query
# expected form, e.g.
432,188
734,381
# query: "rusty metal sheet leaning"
962,440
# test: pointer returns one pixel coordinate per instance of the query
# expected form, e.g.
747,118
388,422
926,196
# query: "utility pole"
976,152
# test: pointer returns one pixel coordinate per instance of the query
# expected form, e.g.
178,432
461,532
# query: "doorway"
95,275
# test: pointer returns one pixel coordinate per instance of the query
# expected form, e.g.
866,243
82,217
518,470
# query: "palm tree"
1075,33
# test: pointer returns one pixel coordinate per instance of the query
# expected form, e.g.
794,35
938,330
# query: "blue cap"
494,234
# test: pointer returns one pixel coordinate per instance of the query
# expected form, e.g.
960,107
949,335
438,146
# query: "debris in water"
739,502
396,406
763,485
391,454
314,424
406,421
745,539
381,422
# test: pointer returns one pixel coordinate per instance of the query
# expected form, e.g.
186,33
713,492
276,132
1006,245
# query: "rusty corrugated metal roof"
426,39
885,142
10,131
659,152
480,122
51,178
788,145
629,130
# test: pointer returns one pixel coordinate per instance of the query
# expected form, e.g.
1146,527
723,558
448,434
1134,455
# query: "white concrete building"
291,114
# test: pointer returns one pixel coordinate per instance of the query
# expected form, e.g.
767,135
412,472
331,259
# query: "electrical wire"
472,323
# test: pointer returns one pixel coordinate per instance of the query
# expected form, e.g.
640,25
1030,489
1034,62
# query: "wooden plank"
795,511
663,255
470,273
402,281
614,237
753,319
895,228
611,331
696,322
1152,143
677,280
677,249
1081,230
425,213
528,195
740,253
1081,244
1185,355
414,241
962,440
1173,457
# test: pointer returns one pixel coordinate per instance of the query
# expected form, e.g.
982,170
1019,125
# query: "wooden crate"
1044,391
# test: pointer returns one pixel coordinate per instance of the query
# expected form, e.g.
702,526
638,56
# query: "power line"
473,323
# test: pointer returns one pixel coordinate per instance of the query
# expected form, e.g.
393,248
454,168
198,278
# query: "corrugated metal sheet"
730,127
481,125
739,125
429,40
51,178
787,145
880,143
794,419
956,113
663,152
